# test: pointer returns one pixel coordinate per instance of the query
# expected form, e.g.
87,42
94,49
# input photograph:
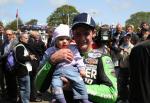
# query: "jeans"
24,86
76,81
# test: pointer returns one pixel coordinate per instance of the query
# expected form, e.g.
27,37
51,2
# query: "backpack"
10,61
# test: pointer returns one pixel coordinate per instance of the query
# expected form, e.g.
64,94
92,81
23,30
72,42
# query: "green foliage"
32,22
13,25
63,14
137,18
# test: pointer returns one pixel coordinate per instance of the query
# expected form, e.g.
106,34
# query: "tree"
32,22
13,25
63,14
1,23
137,18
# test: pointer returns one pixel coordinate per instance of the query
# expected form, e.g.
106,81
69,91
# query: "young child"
72,71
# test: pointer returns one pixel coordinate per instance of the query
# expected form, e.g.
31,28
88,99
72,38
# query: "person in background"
37,47
10,77
2,81
118,34
23,67
123,75
144,34
49,40
134,36
116,41
139,63
144,26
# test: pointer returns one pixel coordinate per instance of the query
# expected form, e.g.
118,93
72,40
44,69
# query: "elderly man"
7,46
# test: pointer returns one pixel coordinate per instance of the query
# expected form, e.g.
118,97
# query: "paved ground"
45,98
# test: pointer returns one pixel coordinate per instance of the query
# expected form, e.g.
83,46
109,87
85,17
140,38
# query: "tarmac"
45,98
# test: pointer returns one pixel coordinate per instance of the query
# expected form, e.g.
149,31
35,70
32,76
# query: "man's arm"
62,54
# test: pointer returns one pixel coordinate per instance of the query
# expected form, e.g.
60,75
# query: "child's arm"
79,61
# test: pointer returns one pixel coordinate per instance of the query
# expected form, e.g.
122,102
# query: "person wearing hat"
72,71
99,79
134,36
123,75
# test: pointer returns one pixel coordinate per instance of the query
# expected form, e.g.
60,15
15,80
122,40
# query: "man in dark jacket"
23,67
140,73
2,82
37,48
9,43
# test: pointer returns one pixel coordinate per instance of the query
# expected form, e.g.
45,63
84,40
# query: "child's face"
62,42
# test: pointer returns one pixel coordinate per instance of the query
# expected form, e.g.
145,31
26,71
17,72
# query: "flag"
17,14
17,18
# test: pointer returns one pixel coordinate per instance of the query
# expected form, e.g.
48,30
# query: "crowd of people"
104,66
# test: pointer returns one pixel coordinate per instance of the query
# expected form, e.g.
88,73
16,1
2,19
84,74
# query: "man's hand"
66,83
33,57
62,54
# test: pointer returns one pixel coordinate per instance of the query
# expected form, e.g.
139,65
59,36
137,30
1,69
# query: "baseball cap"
61,30
128,34
83,18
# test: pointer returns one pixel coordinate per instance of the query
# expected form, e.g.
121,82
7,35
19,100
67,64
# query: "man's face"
145,34
9,34
119,28
146,26
83,36
24,38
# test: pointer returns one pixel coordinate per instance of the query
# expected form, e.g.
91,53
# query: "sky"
103,11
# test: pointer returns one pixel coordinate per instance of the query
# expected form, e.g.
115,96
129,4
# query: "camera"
103,35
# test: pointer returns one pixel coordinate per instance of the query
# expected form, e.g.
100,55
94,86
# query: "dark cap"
128,34
83,18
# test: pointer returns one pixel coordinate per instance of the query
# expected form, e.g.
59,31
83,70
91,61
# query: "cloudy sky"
103,11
